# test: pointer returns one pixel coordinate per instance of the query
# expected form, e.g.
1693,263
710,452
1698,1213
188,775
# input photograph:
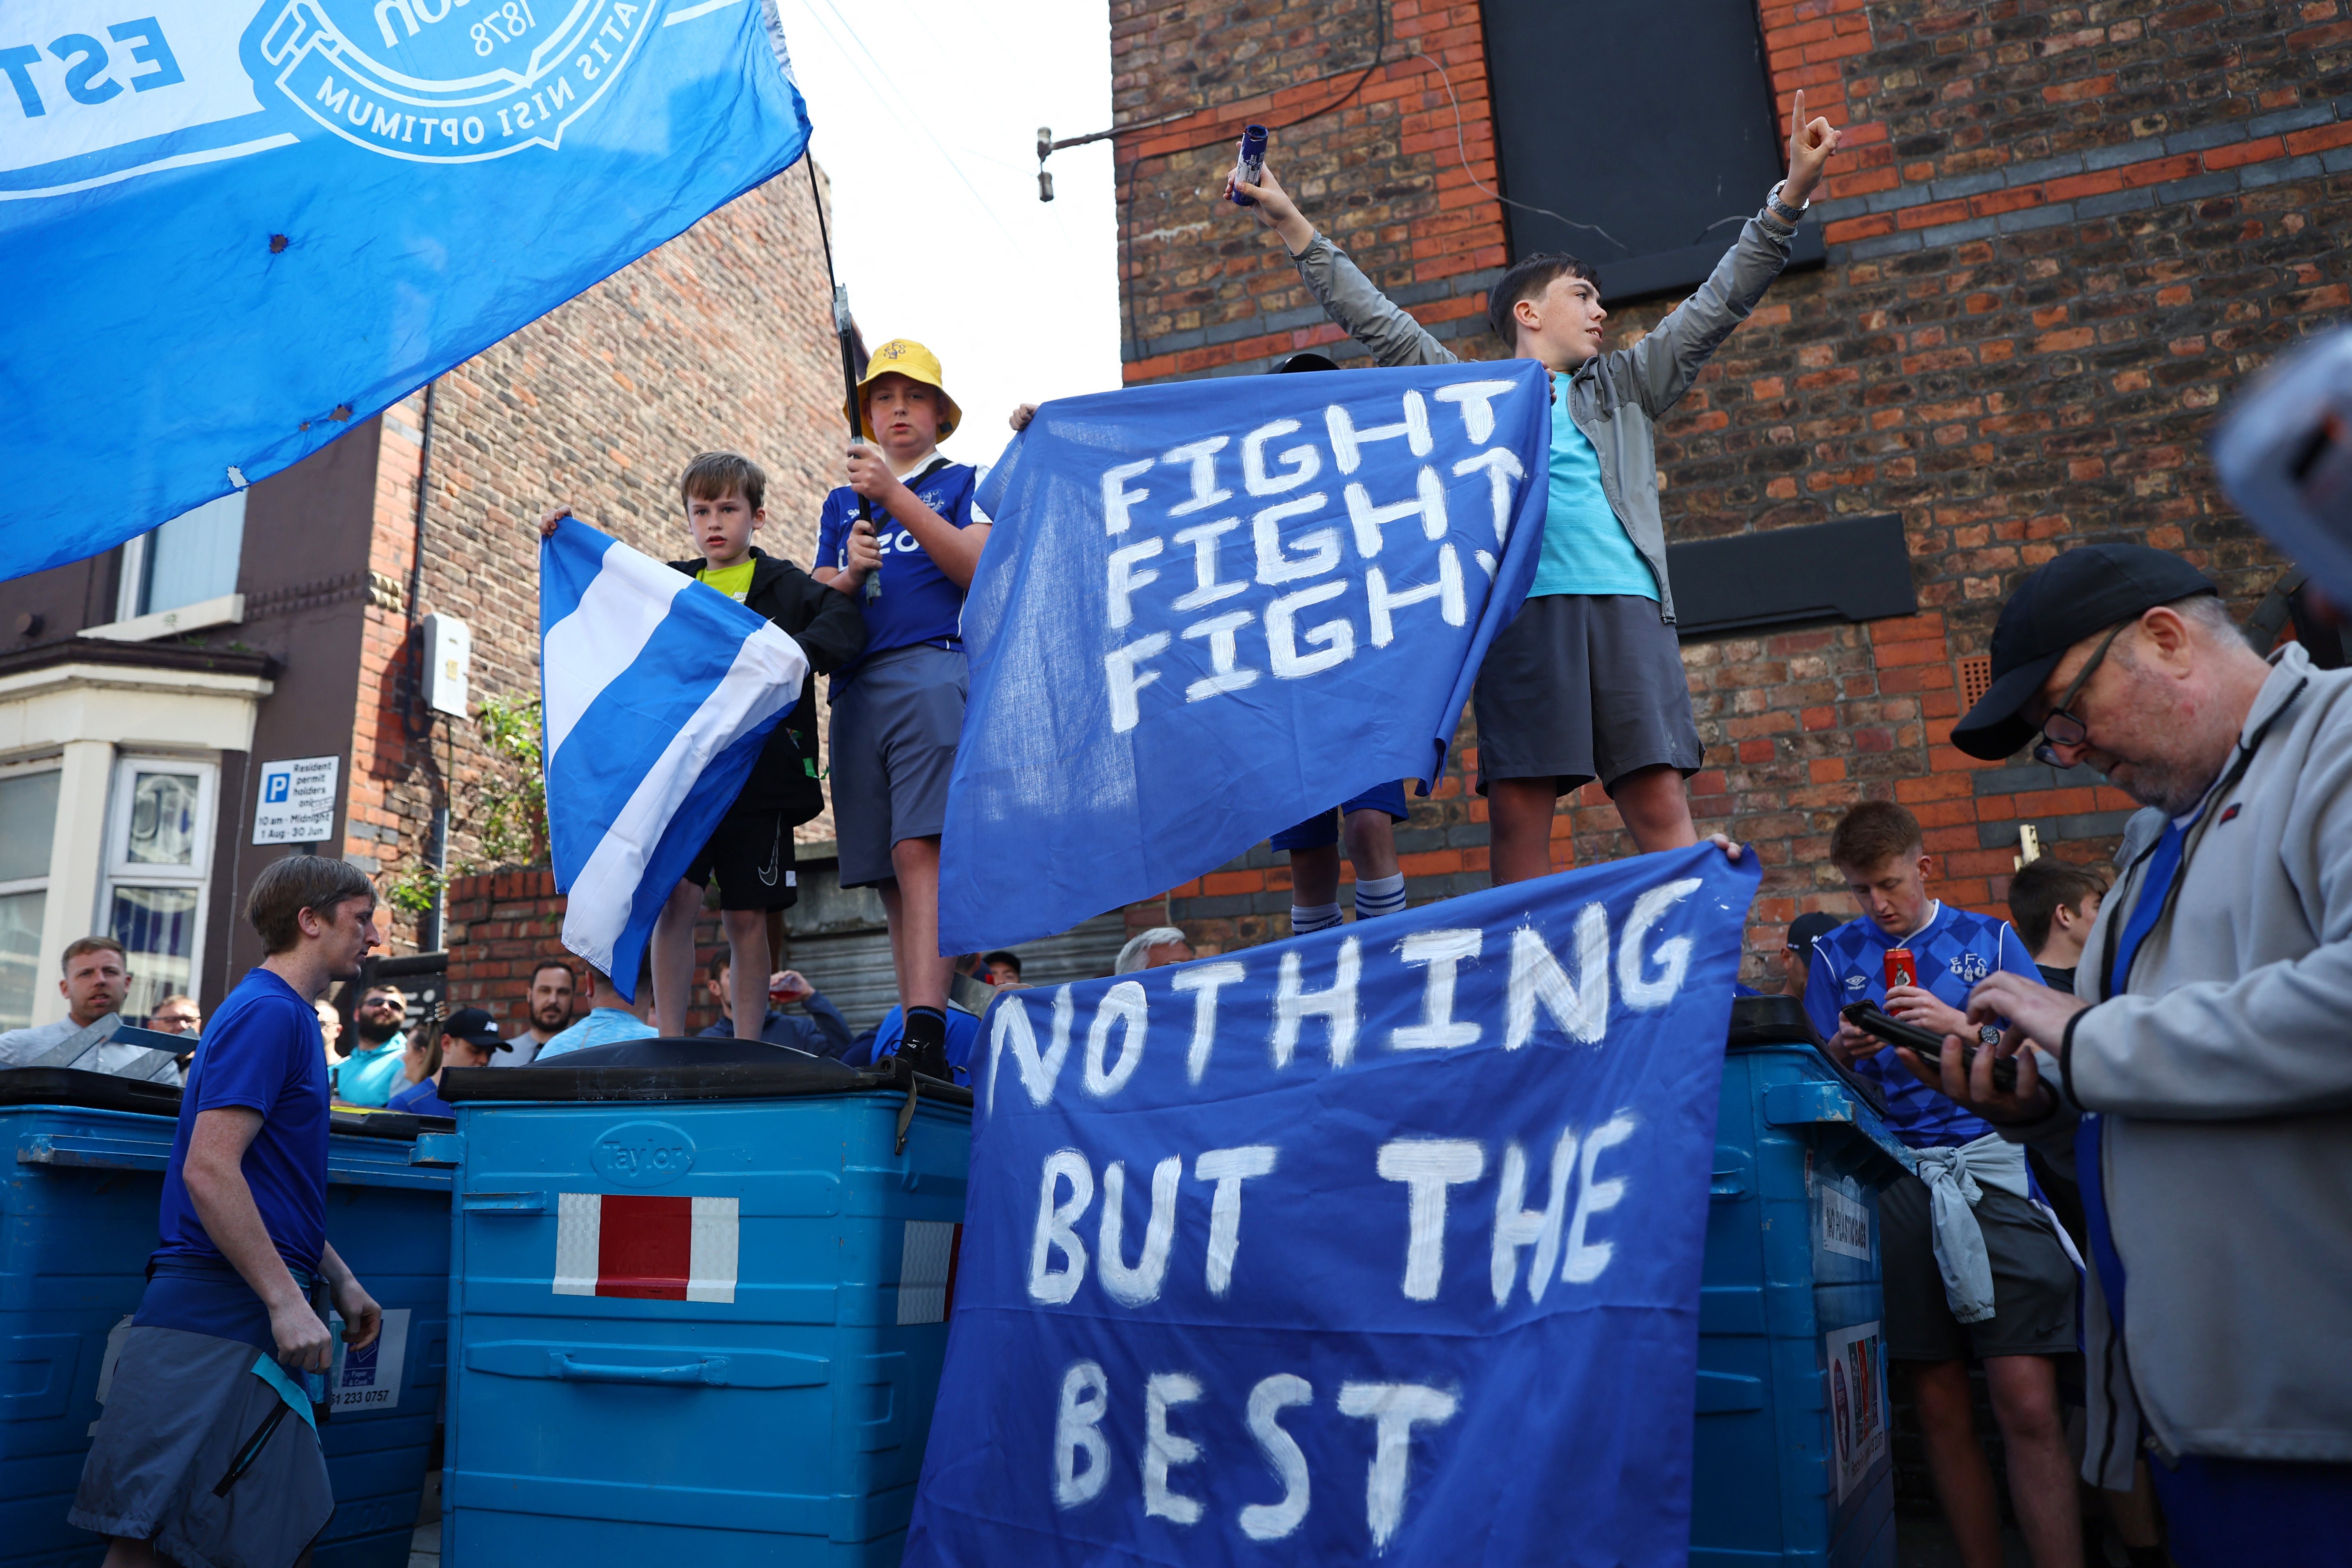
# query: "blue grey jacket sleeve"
1365,314
1662,366
825,1022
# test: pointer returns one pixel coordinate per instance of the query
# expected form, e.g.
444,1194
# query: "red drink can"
1900,968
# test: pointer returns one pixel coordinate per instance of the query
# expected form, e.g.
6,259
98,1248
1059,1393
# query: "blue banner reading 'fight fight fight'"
1382,1242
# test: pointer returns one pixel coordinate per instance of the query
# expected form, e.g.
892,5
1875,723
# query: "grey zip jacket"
1616,398
2223,1077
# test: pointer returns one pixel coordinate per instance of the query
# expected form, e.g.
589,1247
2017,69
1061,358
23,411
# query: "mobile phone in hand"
1873,1019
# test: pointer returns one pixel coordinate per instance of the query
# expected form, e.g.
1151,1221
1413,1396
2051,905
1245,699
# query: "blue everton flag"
655,694
1378,1243
1211,610
249,223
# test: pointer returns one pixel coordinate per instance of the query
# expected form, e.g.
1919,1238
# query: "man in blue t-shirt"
903,538
231,1318
1986,1277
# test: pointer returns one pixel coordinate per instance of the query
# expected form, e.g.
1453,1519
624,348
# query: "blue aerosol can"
1251,163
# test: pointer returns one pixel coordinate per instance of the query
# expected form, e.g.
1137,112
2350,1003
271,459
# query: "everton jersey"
1952,951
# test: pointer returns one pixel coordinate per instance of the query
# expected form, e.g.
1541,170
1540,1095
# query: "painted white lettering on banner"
1451,607
1267,1401
1058,1228
1443,951
1078,1429
1125,1005
1428,503
1396,1408
1282,638
1203,457
1012,1029
1337,1005
1476,401
1140,1285
1206,590
1163,1450
1116,498
1226,672
1348,442
1122,666
1503,471
1205,980
1228,1168
1672,956
1517,1227
1125,580
1321,547
1585,1260
1304,460
1428,1166
1580,1008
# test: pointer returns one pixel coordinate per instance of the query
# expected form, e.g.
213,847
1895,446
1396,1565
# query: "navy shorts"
1581,686
895,729
1323,828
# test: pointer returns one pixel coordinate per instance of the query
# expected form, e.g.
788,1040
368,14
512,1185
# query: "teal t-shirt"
368,1076
1585,549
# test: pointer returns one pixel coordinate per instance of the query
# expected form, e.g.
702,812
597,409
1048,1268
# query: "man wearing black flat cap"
2201,1078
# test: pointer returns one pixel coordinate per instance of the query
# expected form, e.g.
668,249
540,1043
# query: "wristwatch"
1791,216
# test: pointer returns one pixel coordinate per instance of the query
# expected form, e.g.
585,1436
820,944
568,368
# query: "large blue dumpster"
1791,1463
82,1179
700,1310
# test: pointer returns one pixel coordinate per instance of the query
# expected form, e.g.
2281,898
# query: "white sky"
925,116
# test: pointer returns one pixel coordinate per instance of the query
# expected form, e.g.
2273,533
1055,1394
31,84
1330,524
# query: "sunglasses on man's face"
387,1003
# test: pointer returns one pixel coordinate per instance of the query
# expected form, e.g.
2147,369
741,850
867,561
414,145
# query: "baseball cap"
2079,595
1306,359
1809,928
475,1027
905,356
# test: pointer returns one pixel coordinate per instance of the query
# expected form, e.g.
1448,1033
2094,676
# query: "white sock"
1379,896
1320,917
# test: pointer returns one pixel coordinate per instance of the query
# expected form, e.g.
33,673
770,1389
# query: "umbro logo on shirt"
1857,982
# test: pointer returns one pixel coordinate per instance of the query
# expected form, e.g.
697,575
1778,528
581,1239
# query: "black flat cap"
1809,928
2079,595
475,1025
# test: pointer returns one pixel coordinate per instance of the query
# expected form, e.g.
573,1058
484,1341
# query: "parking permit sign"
297,803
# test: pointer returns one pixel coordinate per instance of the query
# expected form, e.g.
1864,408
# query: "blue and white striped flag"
656,695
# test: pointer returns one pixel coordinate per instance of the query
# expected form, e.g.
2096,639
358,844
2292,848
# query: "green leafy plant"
415,891
510,801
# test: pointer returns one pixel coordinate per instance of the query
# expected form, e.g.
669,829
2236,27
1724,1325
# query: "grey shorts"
895,729
1582,686
2033,1283
180,1410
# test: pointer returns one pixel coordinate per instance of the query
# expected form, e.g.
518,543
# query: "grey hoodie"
1616,398
2223,1076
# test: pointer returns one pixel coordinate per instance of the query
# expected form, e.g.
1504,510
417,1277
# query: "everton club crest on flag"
1217,609
1381,1244
251,224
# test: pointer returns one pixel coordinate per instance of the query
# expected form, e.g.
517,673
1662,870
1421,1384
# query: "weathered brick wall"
2058,239
502,923
721,339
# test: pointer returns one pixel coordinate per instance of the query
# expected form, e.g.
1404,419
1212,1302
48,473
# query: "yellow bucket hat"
905,356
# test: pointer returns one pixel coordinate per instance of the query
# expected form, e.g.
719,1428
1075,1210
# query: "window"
1653,124
29,817
159,856
190,559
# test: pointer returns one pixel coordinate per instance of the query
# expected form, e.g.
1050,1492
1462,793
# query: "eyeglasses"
389,1004
2062,727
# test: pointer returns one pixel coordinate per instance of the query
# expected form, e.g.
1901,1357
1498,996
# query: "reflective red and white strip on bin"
685,1249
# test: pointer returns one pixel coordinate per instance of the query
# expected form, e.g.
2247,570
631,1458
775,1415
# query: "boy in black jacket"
751,850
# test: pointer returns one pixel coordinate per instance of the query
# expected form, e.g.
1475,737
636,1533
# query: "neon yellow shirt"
734,581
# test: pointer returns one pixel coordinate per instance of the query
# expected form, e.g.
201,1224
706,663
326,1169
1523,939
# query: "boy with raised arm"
1587,682
902,538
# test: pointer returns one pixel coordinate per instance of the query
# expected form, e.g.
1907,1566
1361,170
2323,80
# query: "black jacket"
831,630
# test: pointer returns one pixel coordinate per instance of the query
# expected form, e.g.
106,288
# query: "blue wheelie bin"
1792,1464
78,1194
699,1296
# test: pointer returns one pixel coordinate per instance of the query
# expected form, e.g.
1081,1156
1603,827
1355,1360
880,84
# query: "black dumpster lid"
1783,1021
654,1069
399,1126
87,1090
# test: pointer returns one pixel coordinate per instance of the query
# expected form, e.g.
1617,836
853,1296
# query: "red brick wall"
2058,240
502,923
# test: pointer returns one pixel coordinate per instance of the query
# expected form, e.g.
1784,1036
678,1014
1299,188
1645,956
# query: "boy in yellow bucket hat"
902,539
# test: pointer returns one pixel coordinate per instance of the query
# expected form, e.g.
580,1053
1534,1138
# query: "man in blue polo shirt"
902,538
1986,1275
195,1459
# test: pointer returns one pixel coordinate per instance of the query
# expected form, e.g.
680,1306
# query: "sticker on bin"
1845,1221
369,1378
1857,1402
926,1271
651,1248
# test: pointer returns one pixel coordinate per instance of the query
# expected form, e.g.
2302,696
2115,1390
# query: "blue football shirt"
260,1050
1953,950
919,603
963,1037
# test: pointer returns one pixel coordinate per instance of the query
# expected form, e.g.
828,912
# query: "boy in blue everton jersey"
1986,1277
902,539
